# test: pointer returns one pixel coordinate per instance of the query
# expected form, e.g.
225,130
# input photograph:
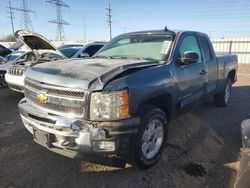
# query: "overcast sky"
218,18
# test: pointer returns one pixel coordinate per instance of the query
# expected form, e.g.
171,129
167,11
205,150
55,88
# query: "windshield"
69,46
14,55
145,46
69,52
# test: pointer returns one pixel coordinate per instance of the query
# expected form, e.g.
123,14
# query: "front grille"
18,71
57,92
60,101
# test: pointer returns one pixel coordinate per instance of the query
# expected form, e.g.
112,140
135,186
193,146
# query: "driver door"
190,78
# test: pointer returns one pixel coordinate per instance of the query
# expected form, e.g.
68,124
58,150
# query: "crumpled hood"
86,74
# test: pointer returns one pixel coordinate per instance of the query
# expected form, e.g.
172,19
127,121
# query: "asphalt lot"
202,151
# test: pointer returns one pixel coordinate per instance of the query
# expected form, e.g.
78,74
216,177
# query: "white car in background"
41,50
12,59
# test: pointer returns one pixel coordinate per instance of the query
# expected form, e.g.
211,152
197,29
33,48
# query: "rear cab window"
206,48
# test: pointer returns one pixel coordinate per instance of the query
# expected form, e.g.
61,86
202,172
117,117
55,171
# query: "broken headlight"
109,106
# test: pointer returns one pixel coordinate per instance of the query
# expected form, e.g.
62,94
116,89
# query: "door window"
190,43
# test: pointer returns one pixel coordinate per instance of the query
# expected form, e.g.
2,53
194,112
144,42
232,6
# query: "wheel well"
3,72
162,101
231,75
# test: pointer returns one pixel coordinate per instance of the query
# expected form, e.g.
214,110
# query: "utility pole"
11,16
109,20
24,9
60,34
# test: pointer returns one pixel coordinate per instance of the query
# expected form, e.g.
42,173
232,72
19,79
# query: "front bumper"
74,137
15,82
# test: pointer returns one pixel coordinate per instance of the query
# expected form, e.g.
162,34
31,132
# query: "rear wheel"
151,137
222,98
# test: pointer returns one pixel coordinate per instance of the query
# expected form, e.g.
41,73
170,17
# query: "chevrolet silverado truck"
119,102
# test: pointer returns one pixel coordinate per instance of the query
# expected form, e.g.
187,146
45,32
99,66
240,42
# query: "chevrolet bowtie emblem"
42,97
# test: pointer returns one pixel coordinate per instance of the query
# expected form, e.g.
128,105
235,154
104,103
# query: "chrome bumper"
69,136
15,82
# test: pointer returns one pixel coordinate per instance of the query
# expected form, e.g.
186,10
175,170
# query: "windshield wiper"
103,56
127,57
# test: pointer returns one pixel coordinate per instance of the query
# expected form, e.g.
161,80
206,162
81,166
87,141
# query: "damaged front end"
68,136
58,118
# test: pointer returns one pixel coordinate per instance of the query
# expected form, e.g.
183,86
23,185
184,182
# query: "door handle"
203,72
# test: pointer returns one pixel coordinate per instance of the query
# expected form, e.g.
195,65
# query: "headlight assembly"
109,106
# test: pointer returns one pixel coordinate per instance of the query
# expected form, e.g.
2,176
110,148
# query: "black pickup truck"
119,102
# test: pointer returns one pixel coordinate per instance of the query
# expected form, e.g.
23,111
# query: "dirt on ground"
203,150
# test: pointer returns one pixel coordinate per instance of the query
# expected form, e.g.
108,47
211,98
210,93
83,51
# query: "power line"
60,34
11,16
25,17
109,20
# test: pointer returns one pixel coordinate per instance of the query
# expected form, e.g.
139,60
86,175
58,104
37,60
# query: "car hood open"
34,41
86,74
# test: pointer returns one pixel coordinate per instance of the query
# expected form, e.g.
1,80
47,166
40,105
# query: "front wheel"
2,80
222,98
151,137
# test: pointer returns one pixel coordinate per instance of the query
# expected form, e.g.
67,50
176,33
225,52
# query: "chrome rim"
227,92
152,138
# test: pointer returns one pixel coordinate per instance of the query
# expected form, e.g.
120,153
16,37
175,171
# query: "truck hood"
85,74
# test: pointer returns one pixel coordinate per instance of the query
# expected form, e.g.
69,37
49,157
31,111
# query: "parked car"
4,51
120,101
14,58
71,45
242,179
2,60
87,50
2,80
41,50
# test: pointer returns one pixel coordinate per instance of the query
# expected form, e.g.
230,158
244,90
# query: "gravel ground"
202,150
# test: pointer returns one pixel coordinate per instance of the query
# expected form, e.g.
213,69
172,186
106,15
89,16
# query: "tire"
222,98
2,80
151,136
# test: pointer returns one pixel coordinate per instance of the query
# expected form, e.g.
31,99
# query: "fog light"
103,145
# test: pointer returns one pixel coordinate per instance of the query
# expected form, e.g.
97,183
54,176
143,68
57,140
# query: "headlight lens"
109,106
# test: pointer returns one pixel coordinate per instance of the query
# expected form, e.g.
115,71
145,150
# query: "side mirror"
189,57
83,55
